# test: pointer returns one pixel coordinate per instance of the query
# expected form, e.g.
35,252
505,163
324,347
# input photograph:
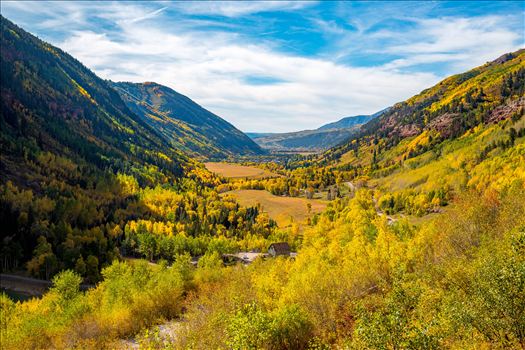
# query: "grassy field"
232,171
280,209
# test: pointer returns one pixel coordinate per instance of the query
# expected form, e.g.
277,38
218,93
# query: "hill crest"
186,124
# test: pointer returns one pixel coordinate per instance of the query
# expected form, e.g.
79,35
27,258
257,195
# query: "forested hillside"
184,123
420,248
65,136
419,171
486,94
51,102
83,177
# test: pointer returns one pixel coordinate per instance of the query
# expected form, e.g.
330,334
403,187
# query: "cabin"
279,249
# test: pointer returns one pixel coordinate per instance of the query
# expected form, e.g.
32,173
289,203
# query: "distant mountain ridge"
322,138
187,125
349,122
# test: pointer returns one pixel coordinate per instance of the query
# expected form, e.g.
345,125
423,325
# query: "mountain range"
52,104
350,122
322,138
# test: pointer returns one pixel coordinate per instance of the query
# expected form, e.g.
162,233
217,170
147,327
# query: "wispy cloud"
461,42
215,70
149,15
358,63
240,8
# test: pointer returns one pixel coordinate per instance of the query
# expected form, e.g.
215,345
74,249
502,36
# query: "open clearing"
232,171
280,209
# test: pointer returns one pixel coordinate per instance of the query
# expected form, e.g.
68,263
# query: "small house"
280,248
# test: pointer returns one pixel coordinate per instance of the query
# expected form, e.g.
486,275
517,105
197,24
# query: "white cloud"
239,8
461,42
214,67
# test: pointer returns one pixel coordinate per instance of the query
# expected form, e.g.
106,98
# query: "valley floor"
232,170
284,210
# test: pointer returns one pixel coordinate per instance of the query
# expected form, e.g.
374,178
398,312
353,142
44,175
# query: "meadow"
284,210
237,171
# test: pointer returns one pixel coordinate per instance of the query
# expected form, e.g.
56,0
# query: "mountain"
484,95
323,138
184,123
72,156
77,165
349,122
53,106
256,135
302,141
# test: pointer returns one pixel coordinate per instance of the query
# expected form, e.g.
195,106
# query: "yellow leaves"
269,284
164,157
500,172
15,34
83,91
390,251
116,231
155,117
128,184
44,205
223,188
457,164
294,231
21,200
154,227
79,88
318,234
161,201
32,306
418,142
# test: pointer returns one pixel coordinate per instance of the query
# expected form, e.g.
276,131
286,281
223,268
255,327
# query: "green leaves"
249,328
395,323
490,293
66,285
252,328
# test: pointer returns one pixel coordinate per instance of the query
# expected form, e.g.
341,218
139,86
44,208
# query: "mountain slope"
349,122
71,156
184,123
324,137
52,103
484,95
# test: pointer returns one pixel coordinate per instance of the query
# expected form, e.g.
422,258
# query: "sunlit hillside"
184,123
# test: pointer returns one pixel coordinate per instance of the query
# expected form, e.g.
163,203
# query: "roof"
280,247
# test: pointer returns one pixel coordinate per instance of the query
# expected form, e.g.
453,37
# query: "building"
280,248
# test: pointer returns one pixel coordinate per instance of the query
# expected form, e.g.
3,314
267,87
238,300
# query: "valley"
284,210
403,229
232,171
320,139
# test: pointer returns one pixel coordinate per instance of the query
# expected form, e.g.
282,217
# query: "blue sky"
275,66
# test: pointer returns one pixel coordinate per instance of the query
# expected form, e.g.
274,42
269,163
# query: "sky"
279,66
